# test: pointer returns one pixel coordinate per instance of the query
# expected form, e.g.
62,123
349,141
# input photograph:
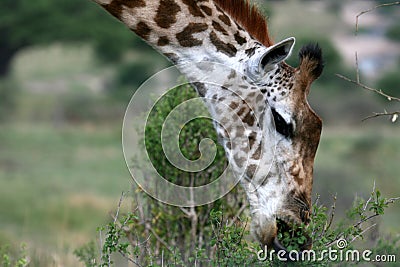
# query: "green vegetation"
55,188
231,248
47,21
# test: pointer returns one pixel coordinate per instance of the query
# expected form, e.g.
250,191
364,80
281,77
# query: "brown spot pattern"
143,30
239,39
219,28
241,111
206,10
166,13
248,16
185,37
225,19
194,9
162,41
251,170
232,74
115,7
228,49
252,139
249,119
233,105
257,153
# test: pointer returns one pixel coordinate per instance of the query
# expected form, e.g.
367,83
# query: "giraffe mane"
249,17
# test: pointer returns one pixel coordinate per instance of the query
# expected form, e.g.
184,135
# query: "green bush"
189,230
230,245
9,258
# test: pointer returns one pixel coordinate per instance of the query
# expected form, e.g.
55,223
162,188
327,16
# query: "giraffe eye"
282,127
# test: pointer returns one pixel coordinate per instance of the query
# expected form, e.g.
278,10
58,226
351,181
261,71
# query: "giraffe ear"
276,54
258,65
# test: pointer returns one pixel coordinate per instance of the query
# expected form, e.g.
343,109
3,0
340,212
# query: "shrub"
230,246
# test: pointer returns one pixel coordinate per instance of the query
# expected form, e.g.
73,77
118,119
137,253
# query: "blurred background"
68,70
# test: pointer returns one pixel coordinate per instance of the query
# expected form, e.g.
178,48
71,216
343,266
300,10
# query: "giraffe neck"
209,48
220,59
185,31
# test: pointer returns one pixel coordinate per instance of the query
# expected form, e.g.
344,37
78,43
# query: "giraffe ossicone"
259,103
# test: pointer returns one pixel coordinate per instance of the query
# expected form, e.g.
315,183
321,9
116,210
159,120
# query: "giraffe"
259,103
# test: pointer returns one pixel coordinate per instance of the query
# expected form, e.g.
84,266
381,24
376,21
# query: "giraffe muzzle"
284,227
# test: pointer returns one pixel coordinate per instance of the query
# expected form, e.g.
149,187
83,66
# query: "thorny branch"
377,91
372,9
365,219
394,115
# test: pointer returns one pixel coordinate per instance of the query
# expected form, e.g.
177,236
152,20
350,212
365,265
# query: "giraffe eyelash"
281,126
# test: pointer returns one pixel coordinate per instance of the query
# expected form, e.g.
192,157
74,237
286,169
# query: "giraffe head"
290,132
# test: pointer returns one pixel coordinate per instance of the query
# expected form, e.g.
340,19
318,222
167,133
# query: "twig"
119,207
380,92
363,232
358,80
242,233
370,197
187,213
129,258
388,201
372,9
316,204
392,200
380,114
332,214
237,215
357,69
159,239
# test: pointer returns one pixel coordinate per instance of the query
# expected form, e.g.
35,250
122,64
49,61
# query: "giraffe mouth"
291,236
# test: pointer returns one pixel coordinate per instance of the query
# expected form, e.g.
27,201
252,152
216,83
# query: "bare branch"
159,239
377,91
237,215
394,115
363,232
357,69
332,213
115,217
359,223
358,82
372,9
370,197
187,213
392,200
129,258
